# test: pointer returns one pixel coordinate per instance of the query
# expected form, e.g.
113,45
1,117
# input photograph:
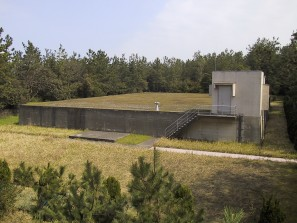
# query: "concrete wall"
142,122
247,87
251,129
212,129
244,129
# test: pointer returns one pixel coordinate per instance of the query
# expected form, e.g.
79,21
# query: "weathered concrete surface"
99,136
251,129
250,94
212,129
142,122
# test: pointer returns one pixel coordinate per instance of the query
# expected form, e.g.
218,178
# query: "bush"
113,187
271,211
7,190
158,197
23,176
5,173
50,188
290,107
85,200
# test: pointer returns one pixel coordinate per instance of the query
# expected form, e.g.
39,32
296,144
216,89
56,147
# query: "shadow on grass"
245,191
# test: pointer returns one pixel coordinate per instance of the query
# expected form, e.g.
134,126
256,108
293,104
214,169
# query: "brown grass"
215,182
137,101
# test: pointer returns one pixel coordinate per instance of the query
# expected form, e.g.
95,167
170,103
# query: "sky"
149,28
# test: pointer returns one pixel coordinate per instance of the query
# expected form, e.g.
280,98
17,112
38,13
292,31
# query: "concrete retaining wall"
142,122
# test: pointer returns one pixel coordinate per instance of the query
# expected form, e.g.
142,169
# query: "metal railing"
190,115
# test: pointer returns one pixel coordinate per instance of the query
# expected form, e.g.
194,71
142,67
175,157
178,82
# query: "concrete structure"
127,121
248,92
240,102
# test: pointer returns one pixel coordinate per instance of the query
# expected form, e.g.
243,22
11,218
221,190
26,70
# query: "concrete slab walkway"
148,144
99,136
228,155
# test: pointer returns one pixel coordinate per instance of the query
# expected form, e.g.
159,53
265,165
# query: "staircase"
190,115
182,122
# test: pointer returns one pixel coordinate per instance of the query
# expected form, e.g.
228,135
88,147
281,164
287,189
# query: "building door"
224,100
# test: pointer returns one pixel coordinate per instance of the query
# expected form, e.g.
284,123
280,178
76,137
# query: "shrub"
23,175
231,216
157,197
5,173
50,189
85,200
113,187
290,108
271,211
8,191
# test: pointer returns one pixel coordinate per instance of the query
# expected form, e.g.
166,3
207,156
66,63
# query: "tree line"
290,100
29,75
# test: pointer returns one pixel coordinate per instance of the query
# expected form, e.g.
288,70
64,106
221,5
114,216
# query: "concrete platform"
99,136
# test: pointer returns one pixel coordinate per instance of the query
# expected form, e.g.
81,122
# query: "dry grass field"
137,101
215,182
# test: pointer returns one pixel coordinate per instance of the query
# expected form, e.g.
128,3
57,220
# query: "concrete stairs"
173,129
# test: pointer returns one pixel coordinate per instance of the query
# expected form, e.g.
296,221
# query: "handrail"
188,116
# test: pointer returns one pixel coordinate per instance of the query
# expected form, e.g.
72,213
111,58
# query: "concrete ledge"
99,136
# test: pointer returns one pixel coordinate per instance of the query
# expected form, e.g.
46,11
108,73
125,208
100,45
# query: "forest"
29,75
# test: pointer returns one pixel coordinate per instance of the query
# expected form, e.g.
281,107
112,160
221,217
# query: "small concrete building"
247,92
240,104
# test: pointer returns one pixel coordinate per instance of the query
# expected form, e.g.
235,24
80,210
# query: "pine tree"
23,175
51,192
157,197
7,190
91,200
271,211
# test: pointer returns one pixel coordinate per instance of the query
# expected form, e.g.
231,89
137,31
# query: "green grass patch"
9,120
133,139
138,101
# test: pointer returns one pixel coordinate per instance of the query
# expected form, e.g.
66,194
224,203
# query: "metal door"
224,99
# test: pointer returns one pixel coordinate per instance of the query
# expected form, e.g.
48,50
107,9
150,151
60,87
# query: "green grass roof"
137,101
